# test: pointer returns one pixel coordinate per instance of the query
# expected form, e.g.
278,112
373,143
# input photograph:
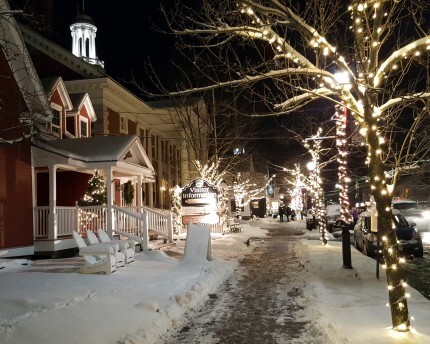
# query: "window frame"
54,128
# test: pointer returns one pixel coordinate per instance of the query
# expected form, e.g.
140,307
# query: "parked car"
338,226
332,214
409,239
414,213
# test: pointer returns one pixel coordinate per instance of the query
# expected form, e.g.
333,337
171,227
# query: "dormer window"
56,119
84,126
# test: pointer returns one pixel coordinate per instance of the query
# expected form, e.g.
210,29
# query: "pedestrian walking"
281,213
288,213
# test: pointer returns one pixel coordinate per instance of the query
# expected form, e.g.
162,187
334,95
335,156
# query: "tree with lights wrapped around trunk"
382,47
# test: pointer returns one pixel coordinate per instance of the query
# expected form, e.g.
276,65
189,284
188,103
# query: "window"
56,121
238,151
163,150
84,127
123,124
178,161
142,136
154,147
171,155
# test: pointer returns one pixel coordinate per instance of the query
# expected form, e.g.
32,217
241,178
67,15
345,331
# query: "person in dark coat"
288,213
293,215
281,213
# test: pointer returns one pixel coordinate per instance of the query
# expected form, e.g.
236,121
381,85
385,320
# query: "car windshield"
400,221
403,206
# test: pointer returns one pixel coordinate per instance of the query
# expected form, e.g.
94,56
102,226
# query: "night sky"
126,37
126,40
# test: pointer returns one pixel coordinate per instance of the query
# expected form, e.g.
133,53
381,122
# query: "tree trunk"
396,289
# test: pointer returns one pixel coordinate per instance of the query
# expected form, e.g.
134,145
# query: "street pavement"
260,301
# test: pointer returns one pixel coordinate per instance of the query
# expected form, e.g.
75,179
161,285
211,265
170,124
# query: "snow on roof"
91,149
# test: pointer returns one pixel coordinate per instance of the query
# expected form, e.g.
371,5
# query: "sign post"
199,202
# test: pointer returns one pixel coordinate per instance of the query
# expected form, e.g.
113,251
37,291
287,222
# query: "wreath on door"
128,193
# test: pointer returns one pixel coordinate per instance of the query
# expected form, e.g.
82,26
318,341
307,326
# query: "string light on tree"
96,193
317,192
341,144
378,70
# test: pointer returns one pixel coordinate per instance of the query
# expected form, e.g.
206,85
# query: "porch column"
110,190
139,192
52,216
158,192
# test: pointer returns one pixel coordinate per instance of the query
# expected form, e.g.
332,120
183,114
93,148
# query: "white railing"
137,224
69,219
41,222
92,218
132,223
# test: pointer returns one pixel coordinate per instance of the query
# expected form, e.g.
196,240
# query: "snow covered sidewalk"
141,301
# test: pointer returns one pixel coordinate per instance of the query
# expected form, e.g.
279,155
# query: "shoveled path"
259,302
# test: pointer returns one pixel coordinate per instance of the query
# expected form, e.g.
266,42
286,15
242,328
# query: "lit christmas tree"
96,193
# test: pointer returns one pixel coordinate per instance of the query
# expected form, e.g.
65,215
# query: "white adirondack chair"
94,241
98,259
126,246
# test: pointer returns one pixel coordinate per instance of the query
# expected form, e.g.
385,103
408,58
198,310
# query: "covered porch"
61,170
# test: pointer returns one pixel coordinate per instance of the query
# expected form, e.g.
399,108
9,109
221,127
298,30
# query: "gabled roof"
78,101
57,83
94,148
124,153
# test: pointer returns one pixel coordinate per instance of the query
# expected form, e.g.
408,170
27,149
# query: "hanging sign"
199,193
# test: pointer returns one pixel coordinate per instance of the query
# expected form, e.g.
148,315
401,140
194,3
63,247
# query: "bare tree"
20,118
210,131
288,53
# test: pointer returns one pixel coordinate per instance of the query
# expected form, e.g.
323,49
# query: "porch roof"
124,153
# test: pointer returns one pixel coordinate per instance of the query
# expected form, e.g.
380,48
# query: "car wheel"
330,228
419,254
